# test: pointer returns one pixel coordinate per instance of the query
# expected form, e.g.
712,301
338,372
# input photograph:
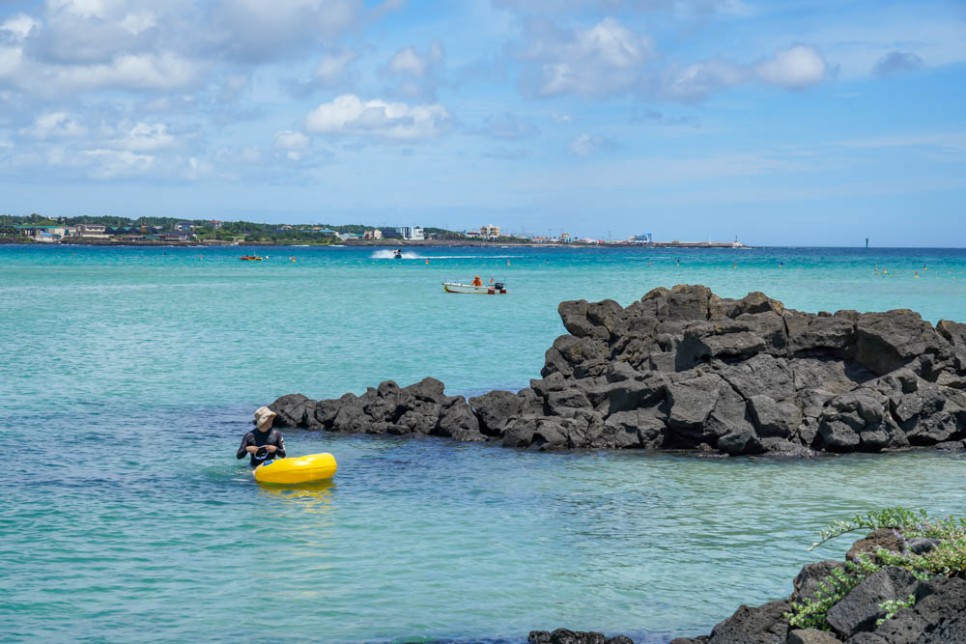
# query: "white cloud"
262,30
78,33
794,68
407,61
416,74
143,137
288,140
292,144
349,115
110,164
11,61
154,72
605,59
586,145
13,32
18,27
196,169
68,46
79,8
857,45
697,81
53,125
333,68
138,23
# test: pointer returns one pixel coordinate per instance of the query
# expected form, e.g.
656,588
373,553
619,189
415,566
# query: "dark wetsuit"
259,438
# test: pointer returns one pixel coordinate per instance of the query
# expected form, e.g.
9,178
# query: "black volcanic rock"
565,636
936,612
685,369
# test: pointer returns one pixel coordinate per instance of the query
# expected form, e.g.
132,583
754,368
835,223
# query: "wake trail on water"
388,254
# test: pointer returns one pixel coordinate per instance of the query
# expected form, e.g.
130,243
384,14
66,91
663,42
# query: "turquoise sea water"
130,375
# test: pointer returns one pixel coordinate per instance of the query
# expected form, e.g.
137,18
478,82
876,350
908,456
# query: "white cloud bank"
609,59
795,68
604,59
348,115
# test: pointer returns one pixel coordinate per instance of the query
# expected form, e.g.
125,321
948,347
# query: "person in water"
477,281
264,442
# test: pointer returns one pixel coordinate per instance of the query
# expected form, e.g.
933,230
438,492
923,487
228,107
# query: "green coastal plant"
897,518
893,606
946,557
813,613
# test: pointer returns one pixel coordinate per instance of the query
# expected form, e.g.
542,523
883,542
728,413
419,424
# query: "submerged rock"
564,636
684,369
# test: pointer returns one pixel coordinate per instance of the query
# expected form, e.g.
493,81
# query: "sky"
778,122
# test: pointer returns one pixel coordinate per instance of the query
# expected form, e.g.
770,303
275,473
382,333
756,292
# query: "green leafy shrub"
947,558
893,606
812,613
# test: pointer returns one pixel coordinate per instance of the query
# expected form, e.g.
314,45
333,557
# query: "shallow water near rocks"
132,373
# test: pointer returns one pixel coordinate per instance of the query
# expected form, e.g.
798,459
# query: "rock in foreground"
895,587
684,369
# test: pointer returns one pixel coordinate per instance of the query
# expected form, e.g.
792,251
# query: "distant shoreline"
392,243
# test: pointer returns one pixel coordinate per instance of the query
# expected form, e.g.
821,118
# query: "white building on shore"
414,233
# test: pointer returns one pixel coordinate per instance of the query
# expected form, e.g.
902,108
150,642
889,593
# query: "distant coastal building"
92,231
47,234
373,235
414,233
489,231
176,236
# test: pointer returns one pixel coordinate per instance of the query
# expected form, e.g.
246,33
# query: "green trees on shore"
210,230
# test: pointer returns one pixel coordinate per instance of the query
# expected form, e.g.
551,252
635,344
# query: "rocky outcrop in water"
684,369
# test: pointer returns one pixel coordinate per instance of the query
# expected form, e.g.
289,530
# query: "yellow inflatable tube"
301,469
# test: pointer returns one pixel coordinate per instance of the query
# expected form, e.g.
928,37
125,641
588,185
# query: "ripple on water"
134,374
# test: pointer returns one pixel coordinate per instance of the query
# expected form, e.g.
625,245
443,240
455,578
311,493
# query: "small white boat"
496,288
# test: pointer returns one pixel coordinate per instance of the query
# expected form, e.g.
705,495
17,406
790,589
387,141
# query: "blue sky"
801,122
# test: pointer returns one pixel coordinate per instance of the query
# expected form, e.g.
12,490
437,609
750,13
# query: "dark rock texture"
937,614
564,636
684,369
761,625
859,610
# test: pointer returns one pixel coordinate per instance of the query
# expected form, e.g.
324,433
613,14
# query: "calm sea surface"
128,375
